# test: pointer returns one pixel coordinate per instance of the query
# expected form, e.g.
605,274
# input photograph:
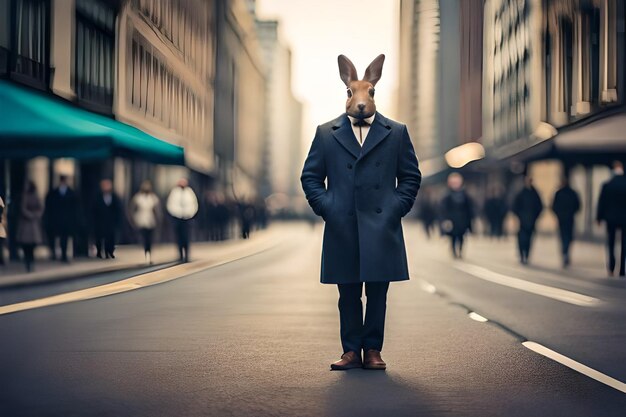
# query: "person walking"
362,176
456,214
29,232
182,205
565,206
107,215
527,206
60,217
3,230
612,211
426,211
145,215
495,212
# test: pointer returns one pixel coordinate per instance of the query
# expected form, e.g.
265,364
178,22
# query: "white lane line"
576,366
428,287
477,317
531,287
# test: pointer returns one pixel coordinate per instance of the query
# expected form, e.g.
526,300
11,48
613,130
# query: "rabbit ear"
374,70
347,72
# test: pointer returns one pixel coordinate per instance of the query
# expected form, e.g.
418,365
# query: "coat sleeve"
408,173
314,175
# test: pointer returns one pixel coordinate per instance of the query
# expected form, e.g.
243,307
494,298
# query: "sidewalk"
127,257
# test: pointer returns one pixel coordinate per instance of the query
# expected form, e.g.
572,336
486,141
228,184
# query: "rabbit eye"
349,93
372,91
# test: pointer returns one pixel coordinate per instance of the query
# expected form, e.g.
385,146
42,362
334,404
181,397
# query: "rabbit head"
360,102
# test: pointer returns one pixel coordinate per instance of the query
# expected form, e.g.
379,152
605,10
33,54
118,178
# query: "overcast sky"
317,31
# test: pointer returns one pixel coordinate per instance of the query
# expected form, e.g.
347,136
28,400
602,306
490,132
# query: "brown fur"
360,102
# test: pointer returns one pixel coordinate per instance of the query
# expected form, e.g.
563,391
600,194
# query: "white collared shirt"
360,132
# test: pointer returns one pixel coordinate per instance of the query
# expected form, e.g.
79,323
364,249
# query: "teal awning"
37,124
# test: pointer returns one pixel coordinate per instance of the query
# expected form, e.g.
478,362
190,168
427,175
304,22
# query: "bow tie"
360,122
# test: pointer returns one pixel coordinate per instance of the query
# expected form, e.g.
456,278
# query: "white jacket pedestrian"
182,202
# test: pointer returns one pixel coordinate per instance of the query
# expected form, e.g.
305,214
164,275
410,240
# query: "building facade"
552,67
283,120
440,76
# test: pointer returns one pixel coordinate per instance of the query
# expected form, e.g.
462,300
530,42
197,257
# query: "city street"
254,336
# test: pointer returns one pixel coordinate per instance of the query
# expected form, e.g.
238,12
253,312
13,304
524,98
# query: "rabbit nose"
361,106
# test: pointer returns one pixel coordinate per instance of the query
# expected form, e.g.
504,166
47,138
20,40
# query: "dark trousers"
566,233
456,243
146,236
108,237
2,251
357,334
611,234
524,240
63,240
29,255
182,236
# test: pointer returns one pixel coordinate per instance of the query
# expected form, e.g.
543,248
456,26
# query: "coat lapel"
342,131
378,132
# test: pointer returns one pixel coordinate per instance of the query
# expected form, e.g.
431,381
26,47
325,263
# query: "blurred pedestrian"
60,217
527,206
495,212
456,213
107,216
29,233
247,218
182,205
565,206
3,230
612,210
145,215
426,211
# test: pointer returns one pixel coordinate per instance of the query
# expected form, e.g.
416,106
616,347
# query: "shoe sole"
375,367
345,368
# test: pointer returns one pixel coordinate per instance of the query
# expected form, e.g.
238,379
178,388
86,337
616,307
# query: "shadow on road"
375,393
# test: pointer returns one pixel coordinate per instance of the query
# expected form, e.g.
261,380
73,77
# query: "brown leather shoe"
349,360
373,360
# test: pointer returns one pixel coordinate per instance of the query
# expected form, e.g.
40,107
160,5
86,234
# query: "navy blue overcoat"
369,190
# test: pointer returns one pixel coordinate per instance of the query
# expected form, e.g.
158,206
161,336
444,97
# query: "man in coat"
107,218
457,213
373,177
527,207
565,206
60,216
612,210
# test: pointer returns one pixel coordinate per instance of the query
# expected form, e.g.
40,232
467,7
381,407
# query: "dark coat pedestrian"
427,212
565,206
527,206
495,211
362,206
612,210
456,213
60,217
107,218
29,232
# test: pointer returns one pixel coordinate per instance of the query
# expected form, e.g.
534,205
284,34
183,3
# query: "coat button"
379,210
351,213
377,163
377,186
349,165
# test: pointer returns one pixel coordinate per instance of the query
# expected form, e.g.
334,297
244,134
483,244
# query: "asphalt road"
255,337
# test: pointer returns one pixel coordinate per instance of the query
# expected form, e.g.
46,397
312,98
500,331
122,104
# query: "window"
95,43
26,55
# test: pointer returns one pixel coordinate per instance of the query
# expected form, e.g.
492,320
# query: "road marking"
576,366
428,287
477,317
140,281
531,287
